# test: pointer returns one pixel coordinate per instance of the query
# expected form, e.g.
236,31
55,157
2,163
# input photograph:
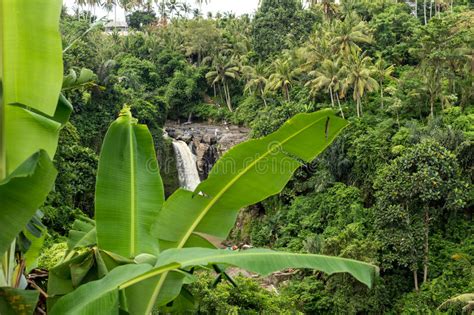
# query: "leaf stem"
150,274
3,159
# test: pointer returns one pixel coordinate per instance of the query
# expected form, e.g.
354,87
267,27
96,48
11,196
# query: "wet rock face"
207,142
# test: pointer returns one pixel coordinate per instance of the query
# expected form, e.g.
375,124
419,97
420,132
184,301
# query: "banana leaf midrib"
133,206
273,253
150,274
214,200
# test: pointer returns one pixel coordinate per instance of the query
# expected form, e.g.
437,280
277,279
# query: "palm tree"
81,3
350,33
110,5
382,72
91,4
163,11
282,77
224,72
328,77
360,72
197,13
256,80
186,9
173,6
318,47
105,72
328,7
431,79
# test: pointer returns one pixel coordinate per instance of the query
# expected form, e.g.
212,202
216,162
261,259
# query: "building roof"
116,24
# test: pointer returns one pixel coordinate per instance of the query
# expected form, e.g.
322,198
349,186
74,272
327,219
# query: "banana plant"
140,250
31,115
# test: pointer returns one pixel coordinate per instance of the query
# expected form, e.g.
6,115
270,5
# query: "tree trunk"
424,10
358,106
426,245
227,94
263,97
381,93
431,105
431,8
287,92
339,103
220,94
416,8
332,97
415,280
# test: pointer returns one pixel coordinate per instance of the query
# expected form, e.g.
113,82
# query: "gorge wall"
206,142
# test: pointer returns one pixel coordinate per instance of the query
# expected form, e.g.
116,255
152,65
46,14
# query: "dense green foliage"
247,297
394,190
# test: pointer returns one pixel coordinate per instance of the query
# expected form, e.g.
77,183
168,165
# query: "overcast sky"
236,6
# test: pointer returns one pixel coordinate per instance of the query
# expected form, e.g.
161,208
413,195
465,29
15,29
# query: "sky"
236,6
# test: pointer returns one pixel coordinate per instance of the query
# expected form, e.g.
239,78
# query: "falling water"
186,163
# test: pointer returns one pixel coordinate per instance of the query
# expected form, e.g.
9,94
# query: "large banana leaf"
247,174
98,297
31,53
265,261
100,293
31,75
21,193
129,191
26,133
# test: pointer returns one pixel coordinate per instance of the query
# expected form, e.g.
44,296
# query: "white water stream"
186,163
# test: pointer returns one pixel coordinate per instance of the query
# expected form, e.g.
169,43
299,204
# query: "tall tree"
360,78
350,33
201,39
282,77
328,77
276,21
382,72
256,80
225,71
318,47
413,192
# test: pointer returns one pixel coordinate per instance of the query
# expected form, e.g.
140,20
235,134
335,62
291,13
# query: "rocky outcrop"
207,142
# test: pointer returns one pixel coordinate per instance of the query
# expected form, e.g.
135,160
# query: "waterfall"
186,163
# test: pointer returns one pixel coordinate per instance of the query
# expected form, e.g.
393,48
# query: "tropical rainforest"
370,211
